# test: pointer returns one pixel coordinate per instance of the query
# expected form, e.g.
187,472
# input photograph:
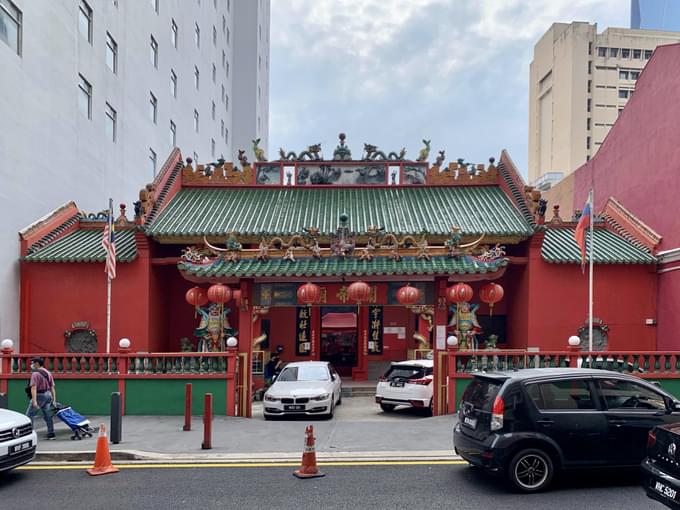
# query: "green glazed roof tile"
340,267
85,245
559,246
287,210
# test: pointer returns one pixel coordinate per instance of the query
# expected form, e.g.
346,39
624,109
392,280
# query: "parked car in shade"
530,424
18,440
406,383
304,388
661,467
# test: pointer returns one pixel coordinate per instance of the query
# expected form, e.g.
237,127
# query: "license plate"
470,422
397,384
20,447
664,489
294,408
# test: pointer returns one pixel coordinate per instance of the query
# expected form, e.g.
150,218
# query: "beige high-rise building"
579,82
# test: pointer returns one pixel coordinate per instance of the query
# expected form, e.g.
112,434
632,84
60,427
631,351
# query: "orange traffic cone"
102,457
308,468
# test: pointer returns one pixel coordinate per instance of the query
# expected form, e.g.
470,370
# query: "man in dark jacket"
43,393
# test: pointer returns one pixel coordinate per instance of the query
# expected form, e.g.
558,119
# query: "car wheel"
430,408
339,402
388,408
530,470
267,417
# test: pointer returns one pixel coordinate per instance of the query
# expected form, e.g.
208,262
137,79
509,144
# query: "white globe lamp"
232,341
124,343
574,341
452,341
7,344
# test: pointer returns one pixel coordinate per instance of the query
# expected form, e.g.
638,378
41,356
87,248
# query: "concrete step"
358,391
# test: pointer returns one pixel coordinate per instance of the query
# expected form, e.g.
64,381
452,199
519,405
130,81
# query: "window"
154,4
173,33
10,25
259,62
197,36
173,83
222,128
620,394
590,48
84,97
213,110
224,25
197,77
588,123
226,136
215,4
623,94
601,52
196,121
227,69
154,52
153,107
212,147
214,36
226,102
111,53
111,120
588,142
85,21
259,93
173,134
613,52
590,86
648,54
214,73
634,75
588,105
228,36
623,75
152,162
228,5
224,58
590,67
625,52
223,93
637,54
561,395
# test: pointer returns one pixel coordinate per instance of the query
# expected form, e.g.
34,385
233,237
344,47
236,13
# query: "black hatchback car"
529,424
661,468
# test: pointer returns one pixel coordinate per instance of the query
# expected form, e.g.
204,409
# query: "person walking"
43,394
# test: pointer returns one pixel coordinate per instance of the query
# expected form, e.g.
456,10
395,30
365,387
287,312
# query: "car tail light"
497,414
382,379
422,382
651,439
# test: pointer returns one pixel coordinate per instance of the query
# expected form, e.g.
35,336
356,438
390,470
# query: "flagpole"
108,286
590,274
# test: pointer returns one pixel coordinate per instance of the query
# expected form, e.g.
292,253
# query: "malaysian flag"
109,243
580,232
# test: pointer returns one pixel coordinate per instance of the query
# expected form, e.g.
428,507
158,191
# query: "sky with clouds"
392,72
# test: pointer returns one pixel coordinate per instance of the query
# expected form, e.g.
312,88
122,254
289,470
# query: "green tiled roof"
85,245
338,266
559,246
287,210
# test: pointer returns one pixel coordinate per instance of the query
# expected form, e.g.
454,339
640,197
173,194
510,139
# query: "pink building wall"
639,165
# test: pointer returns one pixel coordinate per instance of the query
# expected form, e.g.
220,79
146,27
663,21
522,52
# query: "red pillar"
439,340
245,341
5,368
231,382
315,340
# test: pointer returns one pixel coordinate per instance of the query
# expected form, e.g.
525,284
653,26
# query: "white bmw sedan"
18,440
304,387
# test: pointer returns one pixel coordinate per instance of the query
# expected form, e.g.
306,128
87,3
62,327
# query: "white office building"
95,93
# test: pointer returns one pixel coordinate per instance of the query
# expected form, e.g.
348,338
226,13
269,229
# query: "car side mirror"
332,377
675,406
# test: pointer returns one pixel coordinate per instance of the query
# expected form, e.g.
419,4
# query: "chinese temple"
330,257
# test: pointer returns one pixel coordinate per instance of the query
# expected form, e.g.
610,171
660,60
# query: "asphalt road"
450,486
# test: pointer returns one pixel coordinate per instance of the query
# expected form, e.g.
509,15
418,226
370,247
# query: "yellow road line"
251,464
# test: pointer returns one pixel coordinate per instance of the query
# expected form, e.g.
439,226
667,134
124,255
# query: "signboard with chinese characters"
303,331
375,330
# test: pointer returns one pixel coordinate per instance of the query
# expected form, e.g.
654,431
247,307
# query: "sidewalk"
358,430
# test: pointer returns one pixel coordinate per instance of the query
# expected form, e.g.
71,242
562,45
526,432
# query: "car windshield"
481,393
312,373
406,372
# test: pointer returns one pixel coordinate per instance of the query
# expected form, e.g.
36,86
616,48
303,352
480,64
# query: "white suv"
18,440
406,383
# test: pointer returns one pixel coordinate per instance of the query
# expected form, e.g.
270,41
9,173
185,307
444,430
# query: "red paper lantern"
359,292
459,293
196,296
491,294
309,294
219,293
408,295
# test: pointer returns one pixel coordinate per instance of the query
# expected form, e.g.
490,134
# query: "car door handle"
617,423
545,422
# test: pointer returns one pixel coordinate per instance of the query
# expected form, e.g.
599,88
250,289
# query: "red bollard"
207,422
187,407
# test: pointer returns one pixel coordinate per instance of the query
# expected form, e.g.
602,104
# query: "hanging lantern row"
218,293
408,295
196,296
308,294
359,292
459,293
491,293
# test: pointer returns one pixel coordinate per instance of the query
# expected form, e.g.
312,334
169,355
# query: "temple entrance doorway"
339,339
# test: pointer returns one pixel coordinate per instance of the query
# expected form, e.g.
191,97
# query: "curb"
243,458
